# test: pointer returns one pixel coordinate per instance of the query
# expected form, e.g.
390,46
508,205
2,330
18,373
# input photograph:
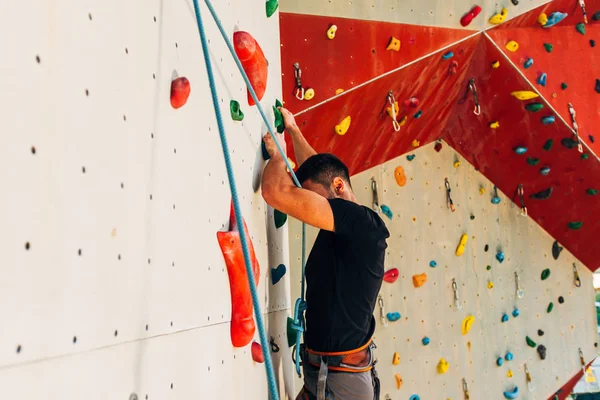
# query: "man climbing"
344,270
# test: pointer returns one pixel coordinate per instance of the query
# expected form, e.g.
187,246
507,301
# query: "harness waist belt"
357,360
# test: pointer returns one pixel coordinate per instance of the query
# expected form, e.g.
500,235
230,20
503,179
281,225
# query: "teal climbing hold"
545,171
555,18
235,111
499,361
393,316
534,107
447,55
415,397
410,157
528,63
550,307
520,150
271,6
596,16
516,313
548,119
548,144
277,273
386,211
509,356
504,317
585,156
580,27
564,86
548,47
418,114
425,341
291,332
542,79
500,257
432,264
592,192
575,225
542,195
512,394
279,218
533,161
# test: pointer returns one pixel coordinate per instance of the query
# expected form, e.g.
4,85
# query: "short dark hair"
322,168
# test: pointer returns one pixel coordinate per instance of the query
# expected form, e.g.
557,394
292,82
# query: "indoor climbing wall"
483,287
113,282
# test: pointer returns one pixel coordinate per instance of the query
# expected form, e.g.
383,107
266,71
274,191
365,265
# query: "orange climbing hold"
180,91
399,381
257,354
416,143
394,44
253,61
419,280
242,323
400,176
396,359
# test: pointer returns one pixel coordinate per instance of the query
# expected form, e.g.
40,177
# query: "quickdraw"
299,93
473,89
582,360
382,309
530,385
521,194
393,105
582,5
575,127
456,299
448,196
576,279
465,389
375,196
519,290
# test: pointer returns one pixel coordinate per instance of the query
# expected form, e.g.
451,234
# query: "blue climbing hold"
547,120
432,264
277,273
511,395
554,19
415,397
425,341
495,200
499,361
528,63
516,313
410,157
545,171
418,114
542,79
520,150
393,316
500,257
447,55
509,356
387,211
504,317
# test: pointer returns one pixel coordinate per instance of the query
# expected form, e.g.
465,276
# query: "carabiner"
456,299
530,385
382,309
576,279
449,201
298,75
375,195
466,389
521,194
520,293
392,101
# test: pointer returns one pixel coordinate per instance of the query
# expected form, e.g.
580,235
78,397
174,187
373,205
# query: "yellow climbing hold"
402,122
500,17
490,285
524,94
396,359
389,109
293,164
343,126
309,94
554,95
462,244
543,19
415,143
442,366
331,31
399,381
456,164
394,44
512,46
481,190
496,64
495,125
338,91
509,373
467,324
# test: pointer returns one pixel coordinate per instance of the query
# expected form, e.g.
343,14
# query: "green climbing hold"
550,307
580,27
278,117
271,7
542,195
530,342
585,156
548,144
236,111
545,274
575,225
564,86
533,161
534,107
592,192
291,333
279,218
548,47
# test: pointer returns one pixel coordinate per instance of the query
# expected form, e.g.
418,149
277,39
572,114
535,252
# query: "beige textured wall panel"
424,229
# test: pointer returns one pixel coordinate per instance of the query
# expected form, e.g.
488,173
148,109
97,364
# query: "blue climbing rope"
300,306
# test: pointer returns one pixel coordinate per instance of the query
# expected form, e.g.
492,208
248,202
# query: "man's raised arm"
302,149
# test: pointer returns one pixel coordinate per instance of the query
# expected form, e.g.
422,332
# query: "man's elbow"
268,193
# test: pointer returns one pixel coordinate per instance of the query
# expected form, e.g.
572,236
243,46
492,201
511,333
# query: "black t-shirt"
343,276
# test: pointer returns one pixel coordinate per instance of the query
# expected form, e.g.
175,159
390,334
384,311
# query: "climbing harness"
576,279
393,106
519,290
382,310
521,193
582,5
456,299
575,127
299,93
449,201
472,89
375,196
465,389
530,385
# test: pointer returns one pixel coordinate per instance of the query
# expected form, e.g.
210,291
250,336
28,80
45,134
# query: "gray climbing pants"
341,385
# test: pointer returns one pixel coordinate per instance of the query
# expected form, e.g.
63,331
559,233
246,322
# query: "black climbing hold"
543,195
596,16
561,299
265,153
592,192
592,139
472,217
545,274
540,332
595,344
592,43
515,2
569,143
598,85
548,144
533,161
279,218
556,249
564,86
542,351
488,267
487,247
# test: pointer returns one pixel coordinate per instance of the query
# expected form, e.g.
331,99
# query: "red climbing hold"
391,275
413,102
242,322
468,17
180,91
254,62
257,354
438,146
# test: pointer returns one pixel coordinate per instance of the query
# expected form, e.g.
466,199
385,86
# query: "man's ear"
338,185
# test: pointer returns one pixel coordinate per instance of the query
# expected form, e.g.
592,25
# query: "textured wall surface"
424,229
112,278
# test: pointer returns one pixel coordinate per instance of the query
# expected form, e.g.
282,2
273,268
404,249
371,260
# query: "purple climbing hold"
592,43
569,143
542,79
598,85
542,351
592,138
